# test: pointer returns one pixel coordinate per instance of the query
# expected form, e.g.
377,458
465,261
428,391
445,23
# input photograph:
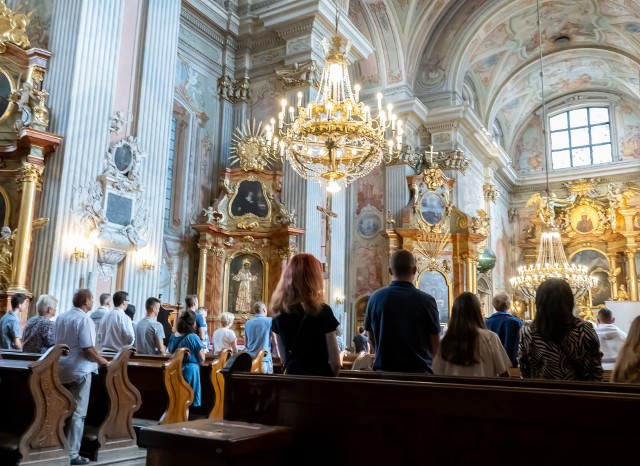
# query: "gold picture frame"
584,219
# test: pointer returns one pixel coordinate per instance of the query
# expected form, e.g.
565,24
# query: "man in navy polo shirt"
402,321
507,326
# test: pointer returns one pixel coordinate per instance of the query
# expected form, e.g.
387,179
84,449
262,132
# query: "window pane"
560,140
602,154
580,137
600,134
558,122
561,159
598,115
578,117
581,156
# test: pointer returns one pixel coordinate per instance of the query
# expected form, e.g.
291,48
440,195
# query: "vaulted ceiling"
435,46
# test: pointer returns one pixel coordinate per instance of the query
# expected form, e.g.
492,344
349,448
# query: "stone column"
81,81
29,181
153,127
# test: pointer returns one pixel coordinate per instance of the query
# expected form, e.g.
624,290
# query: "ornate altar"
24,147
600,230
247,236
445,240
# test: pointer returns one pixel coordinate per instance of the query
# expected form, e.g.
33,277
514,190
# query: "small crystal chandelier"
335,138
552,261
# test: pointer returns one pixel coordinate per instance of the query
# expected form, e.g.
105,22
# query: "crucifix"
431,153
328,215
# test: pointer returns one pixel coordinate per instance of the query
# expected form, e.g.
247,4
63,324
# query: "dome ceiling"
589,45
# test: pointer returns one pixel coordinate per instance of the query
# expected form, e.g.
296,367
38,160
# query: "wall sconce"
339,299
80,254
147,265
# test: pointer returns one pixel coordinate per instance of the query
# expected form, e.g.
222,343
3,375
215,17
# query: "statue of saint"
6,256
622,293
246,279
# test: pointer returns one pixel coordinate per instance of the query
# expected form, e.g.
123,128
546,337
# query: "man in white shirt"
149,332
75,329
98,314
611,338
116,328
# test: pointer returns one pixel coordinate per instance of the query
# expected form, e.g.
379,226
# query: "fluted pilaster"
153,130
396,190
337,280
85,40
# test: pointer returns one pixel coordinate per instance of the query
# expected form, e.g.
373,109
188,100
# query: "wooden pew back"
439,423
35,406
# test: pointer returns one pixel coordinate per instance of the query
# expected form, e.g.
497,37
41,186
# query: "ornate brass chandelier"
335,138
552,261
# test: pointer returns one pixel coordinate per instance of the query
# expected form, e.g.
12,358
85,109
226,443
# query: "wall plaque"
119,209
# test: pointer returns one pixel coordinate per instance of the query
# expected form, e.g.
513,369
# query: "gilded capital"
31,173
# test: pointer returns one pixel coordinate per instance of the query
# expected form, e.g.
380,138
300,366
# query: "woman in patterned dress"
559,345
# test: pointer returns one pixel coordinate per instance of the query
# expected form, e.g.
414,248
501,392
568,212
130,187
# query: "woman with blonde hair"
468,348
305,327
224,337
627,368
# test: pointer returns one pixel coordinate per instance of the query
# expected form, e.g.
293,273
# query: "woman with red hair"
305,327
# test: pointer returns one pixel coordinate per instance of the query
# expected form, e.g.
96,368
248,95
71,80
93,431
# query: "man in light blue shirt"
11,332
258,336
75,329
149,332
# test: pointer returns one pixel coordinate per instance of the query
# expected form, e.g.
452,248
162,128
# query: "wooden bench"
166,395
108,432
216,442
35,407
438,422
113,400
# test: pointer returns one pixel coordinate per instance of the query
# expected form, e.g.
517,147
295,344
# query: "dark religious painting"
123,158
246,273
584,219
5,91
369,225
602,291
435,284
432,208
250,199
119,209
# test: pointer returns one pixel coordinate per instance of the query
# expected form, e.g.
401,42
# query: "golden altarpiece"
247,236
600,228
24,147
446,241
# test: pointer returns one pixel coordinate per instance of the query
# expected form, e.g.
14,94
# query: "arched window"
580,137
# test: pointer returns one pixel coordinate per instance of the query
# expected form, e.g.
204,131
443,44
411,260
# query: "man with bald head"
402,321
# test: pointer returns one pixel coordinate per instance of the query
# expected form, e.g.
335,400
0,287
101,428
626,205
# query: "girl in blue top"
185,337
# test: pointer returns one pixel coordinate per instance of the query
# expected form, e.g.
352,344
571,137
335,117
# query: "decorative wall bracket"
234,91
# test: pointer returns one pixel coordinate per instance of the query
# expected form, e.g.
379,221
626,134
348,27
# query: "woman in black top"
305,327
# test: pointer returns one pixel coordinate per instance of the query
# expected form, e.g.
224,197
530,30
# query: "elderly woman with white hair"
39,333
224,337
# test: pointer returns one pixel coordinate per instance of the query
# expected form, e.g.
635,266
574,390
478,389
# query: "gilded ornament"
248,225
251,149
12,28
31,173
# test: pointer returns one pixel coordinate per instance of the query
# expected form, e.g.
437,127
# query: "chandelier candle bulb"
283,103
291,113
379,97
309,111
356,88
299,99
349,112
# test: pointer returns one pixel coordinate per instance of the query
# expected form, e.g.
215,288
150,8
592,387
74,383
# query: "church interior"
178,147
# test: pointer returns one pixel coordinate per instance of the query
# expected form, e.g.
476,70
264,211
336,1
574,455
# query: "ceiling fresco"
435,46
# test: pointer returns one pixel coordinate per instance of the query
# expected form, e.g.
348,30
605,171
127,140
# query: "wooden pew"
35,406
108,432
217,381
437,422
166,395
256,364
